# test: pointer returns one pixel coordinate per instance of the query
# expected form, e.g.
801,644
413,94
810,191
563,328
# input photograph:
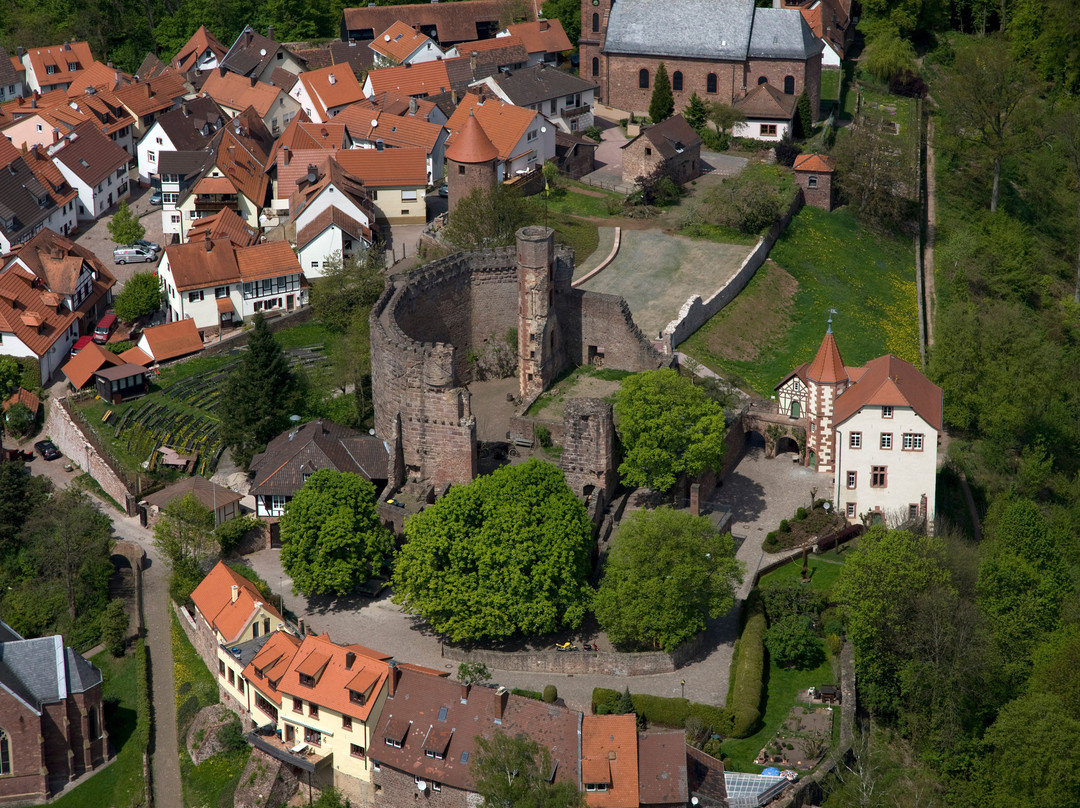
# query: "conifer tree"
662,104
696,113
804,117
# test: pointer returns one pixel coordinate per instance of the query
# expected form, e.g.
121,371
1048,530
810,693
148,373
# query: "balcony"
576,112
212,203
301,755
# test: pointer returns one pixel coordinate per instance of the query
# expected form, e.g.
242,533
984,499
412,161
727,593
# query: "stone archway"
786,444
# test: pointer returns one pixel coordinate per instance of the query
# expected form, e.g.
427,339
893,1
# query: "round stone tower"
470,161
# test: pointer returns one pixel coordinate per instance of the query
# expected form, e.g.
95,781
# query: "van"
123,255
80,343
104,327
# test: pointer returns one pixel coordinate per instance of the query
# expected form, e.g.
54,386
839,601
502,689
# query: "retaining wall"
695,312
81,447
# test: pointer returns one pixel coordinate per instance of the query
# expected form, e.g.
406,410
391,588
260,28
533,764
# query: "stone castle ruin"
428,323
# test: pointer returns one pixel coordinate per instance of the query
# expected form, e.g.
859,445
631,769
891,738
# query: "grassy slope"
121,784
868,278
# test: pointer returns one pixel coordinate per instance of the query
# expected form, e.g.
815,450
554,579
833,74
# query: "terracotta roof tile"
425,78
98,76
269,260
60,58
331,87
136,357
194,266
271,663
225,224
542,36
46,172
827,367
24,397
765,101
90,155
453,22
153,95
237,92
889,381
81,368
171,340
333,668
399,41
328,172
392,130
609,752
398,104
471,144
818,163
331,216
391,168
662,768
213,597
201,41
504,124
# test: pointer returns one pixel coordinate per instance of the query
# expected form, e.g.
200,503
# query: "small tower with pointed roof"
826,378
470,161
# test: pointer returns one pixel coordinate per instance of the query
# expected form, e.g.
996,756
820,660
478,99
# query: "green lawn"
121,784
582,236
869,278
830,88
824,570
573,201
782,688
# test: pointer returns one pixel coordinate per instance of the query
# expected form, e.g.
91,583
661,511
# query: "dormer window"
307,681
357,698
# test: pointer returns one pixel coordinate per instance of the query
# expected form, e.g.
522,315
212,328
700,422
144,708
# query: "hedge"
666,711
748,670
528,694
142,691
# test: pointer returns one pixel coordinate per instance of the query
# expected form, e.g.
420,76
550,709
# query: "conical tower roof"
827,367
471,144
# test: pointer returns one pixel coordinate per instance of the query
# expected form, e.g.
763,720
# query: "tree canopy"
488,217
124,227
141,295
331,535
512,772
184,531
668,427
662,101
667,573
258,397
506,554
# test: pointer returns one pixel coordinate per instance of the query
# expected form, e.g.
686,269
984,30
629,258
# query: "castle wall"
598,329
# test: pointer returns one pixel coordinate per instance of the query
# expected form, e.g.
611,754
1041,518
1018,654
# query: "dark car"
47,449
444,190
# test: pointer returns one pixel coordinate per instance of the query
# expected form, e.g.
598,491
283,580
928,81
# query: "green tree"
552,176
668,427
662,102
19,420
625,703
70,541
184,531
723,116
350,287
792,642
667,573
987,99
873,173
511,771
141,295
696,112
231,532
258,397
879,587
1056,668
488,217
20,496
472,673
507,554
331,535
114,627
124,226
804,117
886,55
567,12
10,373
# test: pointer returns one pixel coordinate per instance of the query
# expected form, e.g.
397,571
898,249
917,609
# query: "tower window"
789,85
595,66
461,169
596,23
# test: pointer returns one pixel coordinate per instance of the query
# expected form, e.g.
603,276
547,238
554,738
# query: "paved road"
95,236
760,492
156,611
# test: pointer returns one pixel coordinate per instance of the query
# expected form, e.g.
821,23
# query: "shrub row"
665,711
528,694
748,671
142,694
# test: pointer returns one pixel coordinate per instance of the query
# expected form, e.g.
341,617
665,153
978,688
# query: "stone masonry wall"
28,780
393,787
819,197
640,159
604,322
81,449
588,459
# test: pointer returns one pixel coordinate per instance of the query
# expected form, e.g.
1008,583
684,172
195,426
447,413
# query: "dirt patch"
757,317
801,741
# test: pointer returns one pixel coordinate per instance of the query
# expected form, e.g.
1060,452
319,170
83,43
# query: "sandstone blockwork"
426,324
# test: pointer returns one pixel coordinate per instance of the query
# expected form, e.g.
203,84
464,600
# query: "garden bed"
801,740
804,527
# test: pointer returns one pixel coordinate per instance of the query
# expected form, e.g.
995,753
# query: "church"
720,49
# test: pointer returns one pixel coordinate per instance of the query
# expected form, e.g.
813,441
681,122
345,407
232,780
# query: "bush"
791,642
19,420
908,83
231,736
670,712
543,436
770,544
186,575
800,514
594,132
120,347
613,206
230,533
749,670
786,152
551,694
834,644
785,527
142,693
786,598
527,694
114,627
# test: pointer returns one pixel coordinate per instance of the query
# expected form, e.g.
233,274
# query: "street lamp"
682,685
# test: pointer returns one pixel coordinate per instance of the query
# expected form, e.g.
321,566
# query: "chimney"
20,52
472,62
287,154
350,658
544,25
395,674
270,32
109,65
248,36
209,247
502,695
235,588
184,109
55,135
221,71
312,174
464,694
412,106
254,80
300,625
33,100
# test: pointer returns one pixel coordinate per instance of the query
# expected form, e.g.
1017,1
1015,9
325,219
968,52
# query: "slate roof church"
720,49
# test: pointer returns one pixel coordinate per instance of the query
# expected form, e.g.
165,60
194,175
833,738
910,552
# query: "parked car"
123,255
47,449
155,197
104,328
81,343
444,190
147,245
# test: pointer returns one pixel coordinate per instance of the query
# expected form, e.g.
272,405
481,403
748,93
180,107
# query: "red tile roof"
392,130
425,78
327,173
609,756
92,358
542,36
271,663
504,124
46,172
60,58
827,367
391,168
90,155
454,22
338,671
153,95
135,356
398,42
331,87
818,163
237,92
471,144
225,224
98,76
331,216
662,769
171,340
213,597
398,104
201,41
24,397
200,264
269,260
891,382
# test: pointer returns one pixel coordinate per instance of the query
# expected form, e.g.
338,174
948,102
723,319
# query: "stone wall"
397,788
641,158
820,196
82,447
598,329
200,636
695,312
239,338
588,458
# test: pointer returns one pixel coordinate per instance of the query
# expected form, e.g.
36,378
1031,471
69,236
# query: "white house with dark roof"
95,167
768,113
11,82
256,56
190,127
332,211
565,100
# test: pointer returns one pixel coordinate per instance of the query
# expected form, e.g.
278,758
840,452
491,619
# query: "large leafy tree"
662,102
874,176
140,295
331,535
349,286
668,427
488,217
506,554
184,531
20,495
124,226
723,116
511,771
257,398
568,12
667,573
880,586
